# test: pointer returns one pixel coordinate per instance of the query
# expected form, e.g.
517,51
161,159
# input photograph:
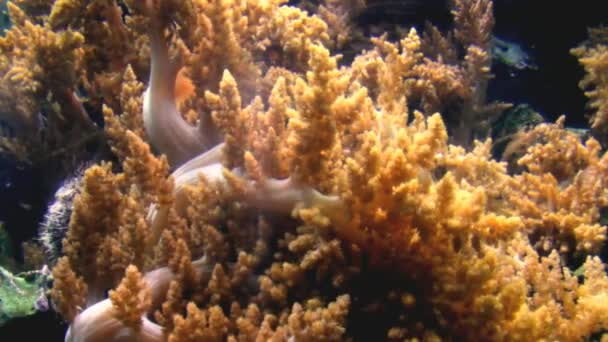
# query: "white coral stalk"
167,130
98,323
272,195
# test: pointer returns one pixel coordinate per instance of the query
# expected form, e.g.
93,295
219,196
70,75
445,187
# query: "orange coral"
131,299
36,63
336,202
69,290
594,57
209,325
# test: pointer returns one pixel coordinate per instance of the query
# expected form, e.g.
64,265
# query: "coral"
69,291
340,16
593,56
200,326
261,188
448,76
37,62
131,298
562,191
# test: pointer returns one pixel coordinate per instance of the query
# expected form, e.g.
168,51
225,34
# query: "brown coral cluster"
260,189
593,56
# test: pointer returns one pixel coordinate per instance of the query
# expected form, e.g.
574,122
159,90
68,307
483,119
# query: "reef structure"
263,191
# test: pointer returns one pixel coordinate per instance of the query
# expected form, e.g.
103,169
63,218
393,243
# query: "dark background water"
547,30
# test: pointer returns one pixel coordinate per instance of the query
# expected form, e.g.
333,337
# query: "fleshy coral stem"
98,322
274,195
168,132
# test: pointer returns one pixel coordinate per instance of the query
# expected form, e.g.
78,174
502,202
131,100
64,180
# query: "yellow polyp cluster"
335,198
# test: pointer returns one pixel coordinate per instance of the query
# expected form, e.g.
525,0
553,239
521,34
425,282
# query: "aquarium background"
546,30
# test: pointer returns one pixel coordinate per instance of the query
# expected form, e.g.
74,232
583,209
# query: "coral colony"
261,187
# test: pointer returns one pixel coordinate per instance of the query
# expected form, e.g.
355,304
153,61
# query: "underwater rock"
512,121
22,294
